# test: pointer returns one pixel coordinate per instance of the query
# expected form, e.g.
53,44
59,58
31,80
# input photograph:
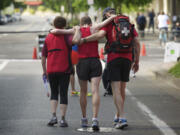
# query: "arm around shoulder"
62,31
105,22
77,35
96,36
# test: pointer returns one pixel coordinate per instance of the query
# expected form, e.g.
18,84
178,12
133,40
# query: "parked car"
3,19
9,18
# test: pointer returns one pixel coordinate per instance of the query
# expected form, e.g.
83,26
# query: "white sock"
115,117
94,119
84,118
120,118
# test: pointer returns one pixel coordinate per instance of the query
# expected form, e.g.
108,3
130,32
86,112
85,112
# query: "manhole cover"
102,129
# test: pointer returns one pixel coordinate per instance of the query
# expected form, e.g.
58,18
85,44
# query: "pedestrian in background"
151,16
75,59
141,20
163,21
56,51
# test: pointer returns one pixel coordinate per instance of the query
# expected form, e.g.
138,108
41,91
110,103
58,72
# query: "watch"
84,40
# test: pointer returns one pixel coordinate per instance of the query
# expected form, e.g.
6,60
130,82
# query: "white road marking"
21,60
4,63
3,35
160,124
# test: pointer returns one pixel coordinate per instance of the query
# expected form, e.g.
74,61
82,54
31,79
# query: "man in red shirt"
119,65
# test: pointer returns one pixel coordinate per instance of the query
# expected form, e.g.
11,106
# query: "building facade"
170,7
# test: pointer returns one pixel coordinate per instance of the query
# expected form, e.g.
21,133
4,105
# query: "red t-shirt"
89,49
68,39
111,56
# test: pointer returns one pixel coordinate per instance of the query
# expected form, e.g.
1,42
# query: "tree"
118,3
5,3
80,5
54,5
76,6
71,6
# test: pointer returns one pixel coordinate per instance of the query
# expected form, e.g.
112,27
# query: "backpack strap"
132,30
115,25
70,68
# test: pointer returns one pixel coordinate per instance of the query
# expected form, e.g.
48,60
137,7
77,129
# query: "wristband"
84,40
50,30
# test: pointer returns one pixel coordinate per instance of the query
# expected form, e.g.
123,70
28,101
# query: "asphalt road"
20,45
152,107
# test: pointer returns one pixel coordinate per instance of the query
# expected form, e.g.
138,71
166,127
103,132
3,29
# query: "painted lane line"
2,66
21,60
3,35
160,124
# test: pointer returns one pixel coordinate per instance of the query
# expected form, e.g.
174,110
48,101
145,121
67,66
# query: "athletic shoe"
89,94
121,124
84,122
116,120
63,123
74,93
95,125
52,121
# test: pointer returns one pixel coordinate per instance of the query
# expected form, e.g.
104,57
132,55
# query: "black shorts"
59,83
119,70
88,68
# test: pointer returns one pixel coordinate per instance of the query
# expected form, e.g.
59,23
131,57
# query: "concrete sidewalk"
162,74
160,69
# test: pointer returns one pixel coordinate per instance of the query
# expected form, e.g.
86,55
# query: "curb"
167,77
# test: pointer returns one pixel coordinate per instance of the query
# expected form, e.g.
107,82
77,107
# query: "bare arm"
104,23
137,54
94,37
77,36
43,62
62,31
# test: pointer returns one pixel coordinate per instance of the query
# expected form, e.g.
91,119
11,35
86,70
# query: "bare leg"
95,95
54,104
123,87
83,98
72,80
63,108
117,96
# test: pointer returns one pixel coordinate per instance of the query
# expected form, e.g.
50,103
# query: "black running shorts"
119,69
88,68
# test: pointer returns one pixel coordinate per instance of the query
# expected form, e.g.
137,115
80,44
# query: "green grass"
175,71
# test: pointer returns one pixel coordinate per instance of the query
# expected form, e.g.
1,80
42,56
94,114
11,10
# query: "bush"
30,10
73,22
41,8
175,71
